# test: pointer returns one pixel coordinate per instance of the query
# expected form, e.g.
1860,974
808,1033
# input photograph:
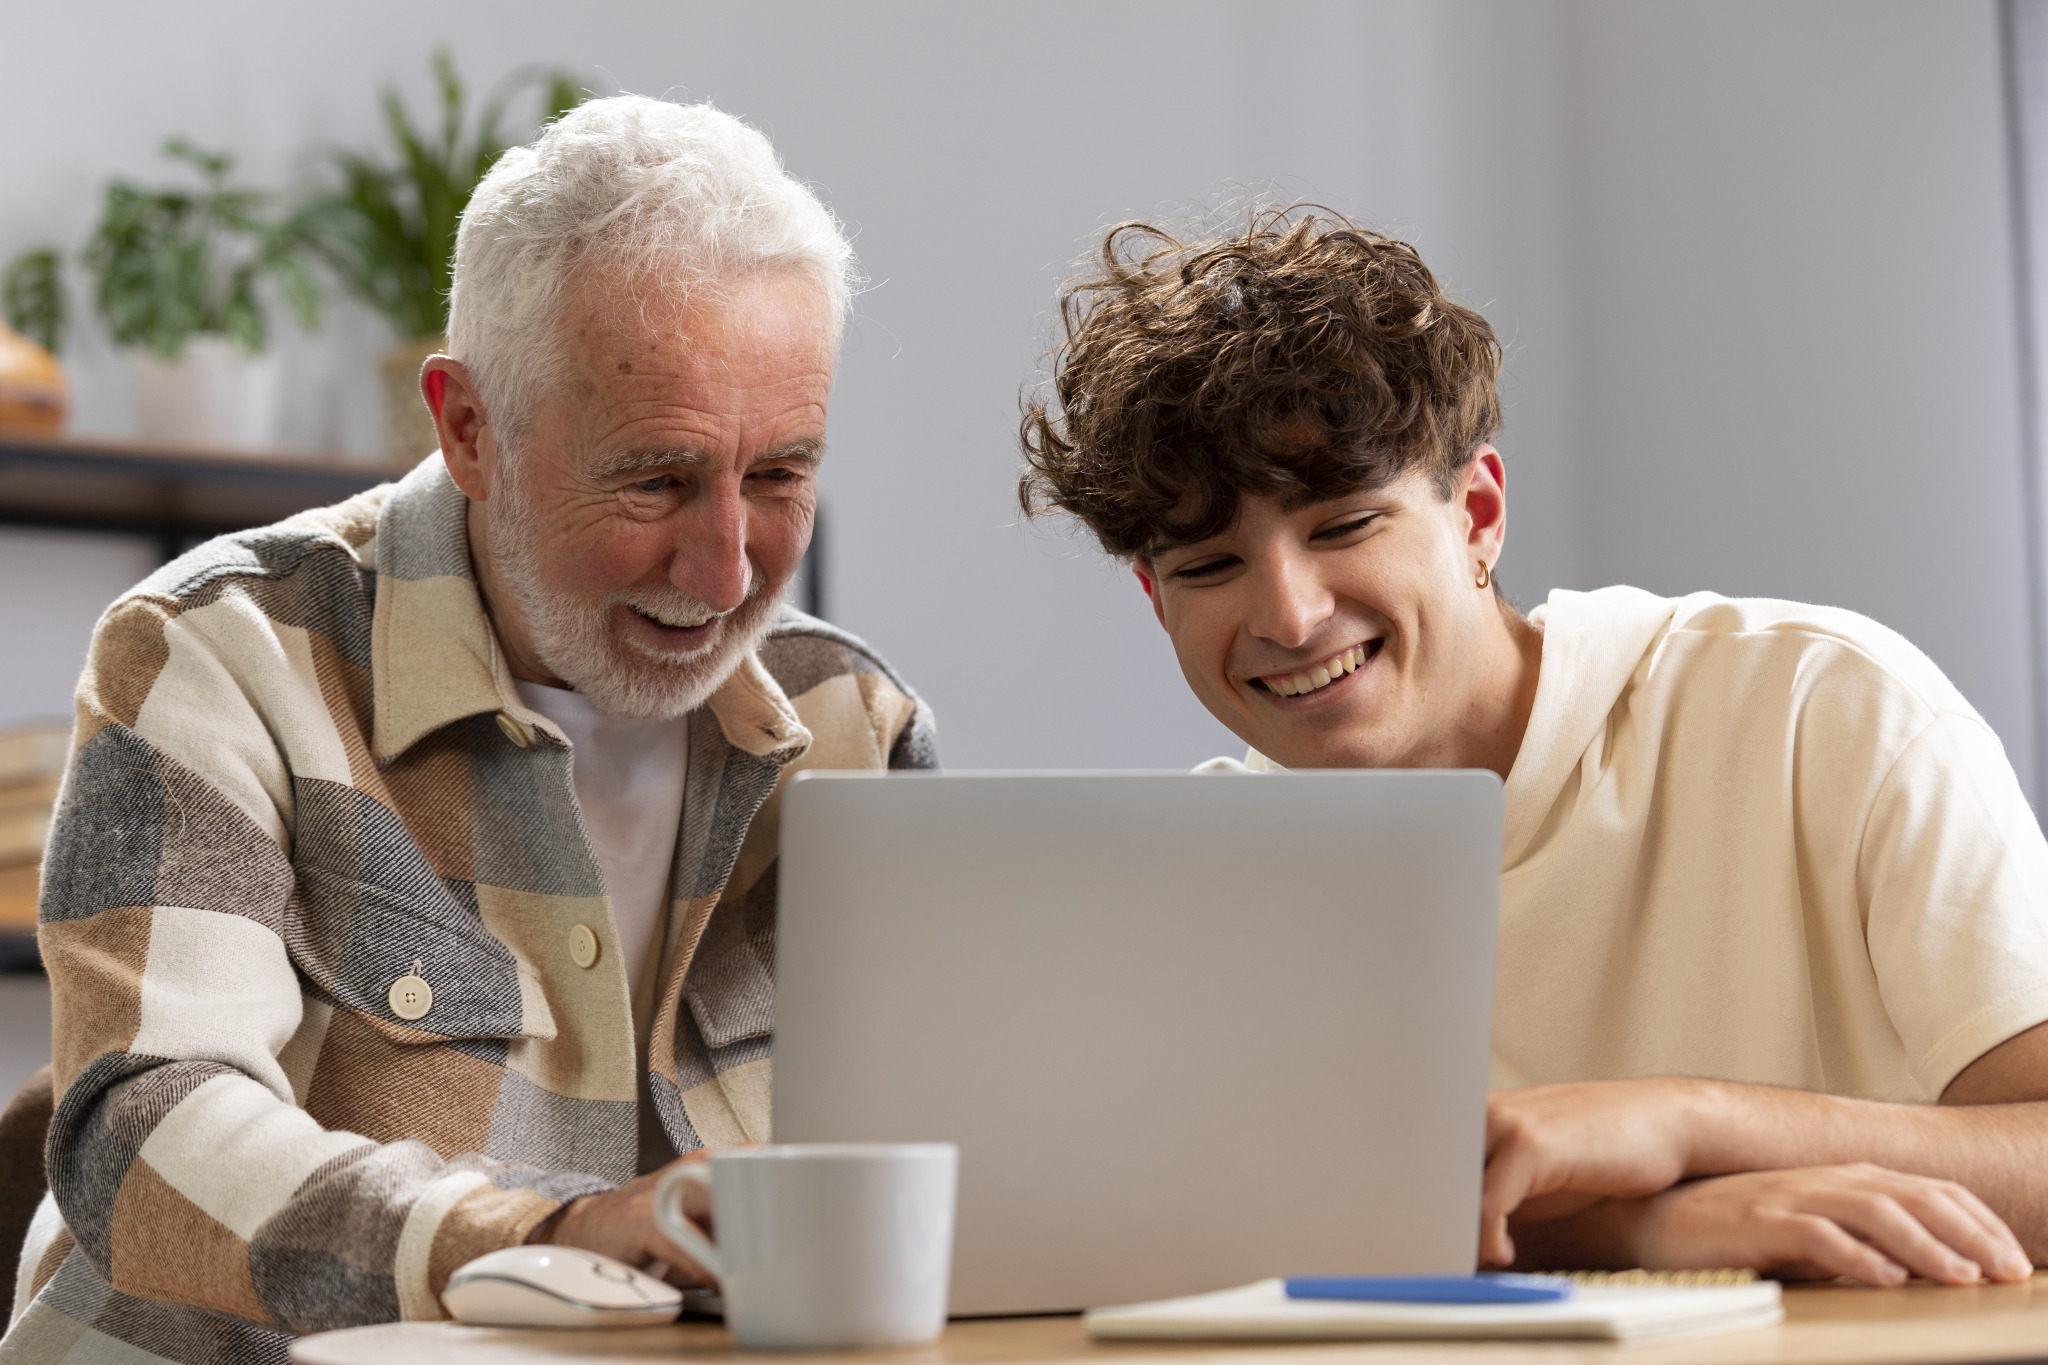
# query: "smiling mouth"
680,624
1316,678
687,634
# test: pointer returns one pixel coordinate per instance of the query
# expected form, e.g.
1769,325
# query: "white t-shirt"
629,781
1759,841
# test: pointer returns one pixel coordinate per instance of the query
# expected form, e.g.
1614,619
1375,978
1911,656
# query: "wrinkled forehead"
665,305
658,374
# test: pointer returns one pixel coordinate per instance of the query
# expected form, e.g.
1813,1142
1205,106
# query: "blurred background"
1757,266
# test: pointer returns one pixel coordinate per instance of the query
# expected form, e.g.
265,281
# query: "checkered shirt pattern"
301,771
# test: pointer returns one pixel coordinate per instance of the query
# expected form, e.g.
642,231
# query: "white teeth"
1320,676
685,624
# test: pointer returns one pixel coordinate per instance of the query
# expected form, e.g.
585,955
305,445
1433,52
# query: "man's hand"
1554,1153
1862,1221
620,1224
1565,1147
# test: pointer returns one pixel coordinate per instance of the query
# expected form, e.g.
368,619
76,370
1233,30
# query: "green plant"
389,232
32,296
169,264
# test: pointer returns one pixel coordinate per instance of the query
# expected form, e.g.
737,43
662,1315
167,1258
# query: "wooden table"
1824,1325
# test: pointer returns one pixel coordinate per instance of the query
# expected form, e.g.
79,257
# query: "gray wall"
1801,371
1749,262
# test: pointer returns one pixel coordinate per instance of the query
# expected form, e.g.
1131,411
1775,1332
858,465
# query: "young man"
1774,911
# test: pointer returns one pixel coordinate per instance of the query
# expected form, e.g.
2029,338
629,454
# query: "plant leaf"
389,232
32,294
167,264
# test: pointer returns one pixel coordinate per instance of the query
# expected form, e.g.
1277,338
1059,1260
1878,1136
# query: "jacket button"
582,946
514,731
411,997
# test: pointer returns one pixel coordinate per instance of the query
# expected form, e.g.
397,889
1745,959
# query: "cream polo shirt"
1758,841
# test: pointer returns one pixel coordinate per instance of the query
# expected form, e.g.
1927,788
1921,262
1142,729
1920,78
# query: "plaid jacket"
301,773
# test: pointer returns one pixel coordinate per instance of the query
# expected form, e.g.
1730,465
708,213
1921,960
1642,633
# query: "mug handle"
668,1212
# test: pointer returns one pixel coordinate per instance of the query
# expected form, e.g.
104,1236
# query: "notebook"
1602,1310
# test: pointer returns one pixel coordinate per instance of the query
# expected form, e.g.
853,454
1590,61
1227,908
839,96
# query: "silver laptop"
1188,1032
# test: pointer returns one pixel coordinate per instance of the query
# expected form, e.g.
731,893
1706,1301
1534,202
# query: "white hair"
624,189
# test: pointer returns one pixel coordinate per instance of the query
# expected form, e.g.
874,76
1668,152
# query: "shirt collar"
1593,643
756,714
435,660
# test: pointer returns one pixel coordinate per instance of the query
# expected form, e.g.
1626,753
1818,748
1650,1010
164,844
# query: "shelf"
181,497
18,885
174,496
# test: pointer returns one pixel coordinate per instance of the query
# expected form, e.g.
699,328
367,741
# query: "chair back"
24,1128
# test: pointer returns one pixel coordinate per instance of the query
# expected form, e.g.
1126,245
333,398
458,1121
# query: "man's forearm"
1597,1238
1996,1150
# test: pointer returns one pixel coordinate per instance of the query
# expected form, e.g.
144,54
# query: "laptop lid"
1187,1031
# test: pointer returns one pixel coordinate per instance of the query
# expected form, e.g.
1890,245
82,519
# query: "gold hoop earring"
1485,578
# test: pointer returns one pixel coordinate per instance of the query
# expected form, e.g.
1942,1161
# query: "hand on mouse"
620,1224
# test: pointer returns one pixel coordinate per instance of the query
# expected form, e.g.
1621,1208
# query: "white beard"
581,642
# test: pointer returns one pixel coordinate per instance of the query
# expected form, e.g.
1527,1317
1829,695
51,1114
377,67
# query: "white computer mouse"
551,1286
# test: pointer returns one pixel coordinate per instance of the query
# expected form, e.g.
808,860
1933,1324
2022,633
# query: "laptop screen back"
1187,1031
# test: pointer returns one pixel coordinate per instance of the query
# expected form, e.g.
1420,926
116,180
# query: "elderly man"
413,886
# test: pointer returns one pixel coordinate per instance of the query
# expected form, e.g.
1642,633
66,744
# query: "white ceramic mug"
824,1245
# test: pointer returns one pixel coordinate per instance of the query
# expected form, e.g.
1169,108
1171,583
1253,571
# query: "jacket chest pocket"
415,962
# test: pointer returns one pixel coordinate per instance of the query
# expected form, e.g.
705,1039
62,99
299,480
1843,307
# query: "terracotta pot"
409,432
214,394
34,396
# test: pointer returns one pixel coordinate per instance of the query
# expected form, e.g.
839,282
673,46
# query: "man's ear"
468,444
1484,493
1148,578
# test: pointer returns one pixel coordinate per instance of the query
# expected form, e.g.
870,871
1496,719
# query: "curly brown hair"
1304,357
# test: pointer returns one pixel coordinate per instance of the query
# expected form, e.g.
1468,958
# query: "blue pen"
1431,1288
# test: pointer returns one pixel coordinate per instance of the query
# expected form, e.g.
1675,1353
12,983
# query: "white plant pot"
214,394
